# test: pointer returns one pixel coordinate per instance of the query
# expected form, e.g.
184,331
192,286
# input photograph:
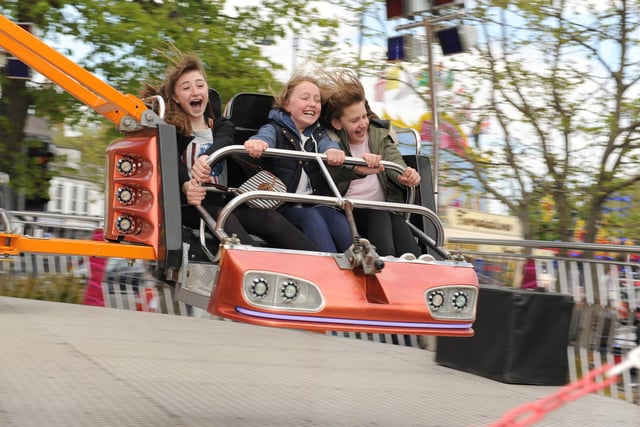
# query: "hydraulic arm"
126,111
132,116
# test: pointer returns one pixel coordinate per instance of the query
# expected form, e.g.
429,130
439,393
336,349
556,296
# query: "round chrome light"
460,300
126,166
436,299
125,195
259,287
289,290
125,224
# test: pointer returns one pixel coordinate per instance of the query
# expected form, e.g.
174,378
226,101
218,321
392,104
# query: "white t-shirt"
203,139
304,185
369,187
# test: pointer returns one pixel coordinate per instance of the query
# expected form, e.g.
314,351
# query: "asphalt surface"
73,365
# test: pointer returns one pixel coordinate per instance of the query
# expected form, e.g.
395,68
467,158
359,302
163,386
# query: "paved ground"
71,365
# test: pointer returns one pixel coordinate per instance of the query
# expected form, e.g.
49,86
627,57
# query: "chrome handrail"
329,201
276,152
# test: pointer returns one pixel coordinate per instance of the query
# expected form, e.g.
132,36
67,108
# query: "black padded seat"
248,112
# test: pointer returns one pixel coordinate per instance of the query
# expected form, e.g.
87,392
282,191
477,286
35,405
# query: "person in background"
363,135
294,125
200,133
529,274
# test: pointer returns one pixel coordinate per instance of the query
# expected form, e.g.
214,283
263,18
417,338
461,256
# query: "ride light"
289,290
259,287
125,224
436,299
126,166
453,302
289,293
125,195
460,300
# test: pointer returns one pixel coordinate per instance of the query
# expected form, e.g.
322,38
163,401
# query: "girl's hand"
373,165
335,157
201,169
410,177
194,192
255,147
373,160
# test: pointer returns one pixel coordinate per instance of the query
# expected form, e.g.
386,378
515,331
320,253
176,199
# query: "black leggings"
269,225
387,231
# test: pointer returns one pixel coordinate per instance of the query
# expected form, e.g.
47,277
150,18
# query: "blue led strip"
299,318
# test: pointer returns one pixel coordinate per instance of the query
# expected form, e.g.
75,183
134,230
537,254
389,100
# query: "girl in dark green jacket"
361,135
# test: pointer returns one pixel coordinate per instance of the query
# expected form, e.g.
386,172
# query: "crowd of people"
328,114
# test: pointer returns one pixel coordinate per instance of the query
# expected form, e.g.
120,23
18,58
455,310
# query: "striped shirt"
202,141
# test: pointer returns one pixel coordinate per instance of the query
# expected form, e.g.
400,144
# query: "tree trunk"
14,106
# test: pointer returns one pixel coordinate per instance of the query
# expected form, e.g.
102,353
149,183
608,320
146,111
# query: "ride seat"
248,112
215,102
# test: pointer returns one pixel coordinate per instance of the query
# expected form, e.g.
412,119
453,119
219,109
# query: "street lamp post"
296,44
435,115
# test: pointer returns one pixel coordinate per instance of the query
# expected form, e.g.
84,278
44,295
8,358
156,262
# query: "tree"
561,80
123,43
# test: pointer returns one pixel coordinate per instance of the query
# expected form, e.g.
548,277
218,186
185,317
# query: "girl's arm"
224,133
265,138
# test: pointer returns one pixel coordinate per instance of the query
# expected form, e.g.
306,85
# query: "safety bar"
321,158
329,201
5,220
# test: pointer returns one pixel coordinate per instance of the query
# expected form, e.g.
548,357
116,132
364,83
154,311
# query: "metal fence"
604,284
42,224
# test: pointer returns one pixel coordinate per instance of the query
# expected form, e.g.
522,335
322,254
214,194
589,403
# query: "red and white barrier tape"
597,379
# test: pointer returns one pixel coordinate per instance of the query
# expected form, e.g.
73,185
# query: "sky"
398,102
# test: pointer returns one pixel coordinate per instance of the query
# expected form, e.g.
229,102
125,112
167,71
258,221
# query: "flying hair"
342,89
180,63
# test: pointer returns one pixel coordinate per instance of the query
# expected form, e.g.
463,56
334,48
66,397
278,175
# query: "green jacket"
380,142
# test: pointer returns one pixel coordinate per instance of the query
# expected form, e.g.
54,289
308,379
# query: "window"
74,199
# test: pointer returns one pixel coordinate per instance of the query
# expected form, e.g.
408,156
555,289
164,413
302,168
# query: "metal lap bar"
328,201
276,152
208,221
338,200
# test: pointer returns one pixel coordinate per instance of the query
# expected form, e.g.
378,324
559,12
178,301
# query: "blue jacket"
280,132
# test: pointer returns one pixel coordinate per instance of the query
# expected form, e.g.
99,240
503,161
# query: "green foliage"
29,173
92,142
122,42
49,287
560,84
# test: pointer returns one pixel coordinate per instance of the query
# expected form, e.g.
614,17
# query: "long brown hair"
182,63
343,89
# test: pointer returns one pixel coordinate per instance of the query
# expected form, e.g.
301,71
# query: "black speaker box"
521,337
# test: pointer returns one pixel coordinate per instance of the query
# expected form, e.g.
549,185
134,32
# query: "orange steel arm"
14,244
126,111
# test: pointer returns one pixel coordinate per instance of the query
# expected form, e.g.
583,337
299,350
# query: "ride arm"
15,244
126,111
